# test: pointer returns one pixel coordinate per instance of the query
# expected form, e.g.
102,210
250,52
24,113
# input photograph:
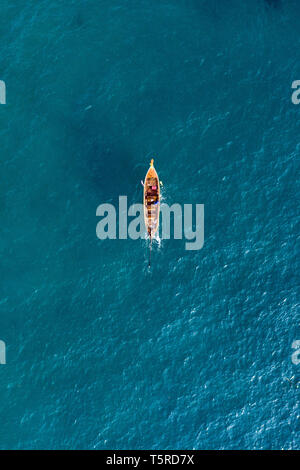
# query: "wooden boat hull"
151,201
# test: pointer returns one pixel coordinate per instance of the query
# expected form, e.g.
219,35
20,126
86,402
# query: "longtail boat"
151,203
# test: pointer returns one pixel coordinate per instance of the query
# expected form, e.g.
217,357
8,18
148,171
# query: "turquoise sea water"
102,353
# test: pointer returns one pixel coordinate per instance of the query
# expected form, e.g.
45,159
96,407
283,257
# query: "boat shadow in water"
273,3
102,156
